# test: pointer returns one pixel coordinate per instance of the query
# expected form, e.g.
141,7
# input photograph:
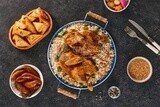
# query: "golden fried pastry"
31,18
30,26
34,14
22,20
19,41
20,25
21,32
38,12
40,27
42,20
33,37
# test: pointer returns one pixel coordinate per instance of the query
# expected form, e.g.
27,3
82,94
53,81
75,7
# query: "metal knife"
144,33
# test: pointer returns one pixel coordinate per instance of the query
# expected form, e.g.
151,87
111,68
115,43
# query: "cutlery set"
155,47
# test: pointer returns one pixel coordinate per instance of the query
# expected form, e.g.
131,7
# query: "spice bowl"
114,92
123,5
139,69
25,77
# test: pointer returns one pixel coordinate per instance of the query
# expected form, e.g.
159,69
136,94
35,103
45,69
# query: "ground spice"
139,69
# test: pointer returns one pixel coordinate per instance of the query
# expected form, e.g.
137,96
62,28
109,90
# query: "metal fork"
133,34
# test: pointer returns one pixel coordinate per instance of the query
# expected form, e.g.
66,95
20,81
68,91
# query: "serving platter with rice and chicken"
81,55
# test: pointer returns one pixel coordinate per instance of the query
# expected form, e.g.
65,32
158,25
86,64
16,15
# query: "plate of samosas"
30,29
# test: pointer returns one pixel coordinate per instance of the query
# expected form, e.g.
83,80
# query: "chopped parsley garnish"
62,33
81,84
64,75
93,75
94,62
85,27
108,40
97,68
59,69
101,45
96,31
74,30
56,58
65,48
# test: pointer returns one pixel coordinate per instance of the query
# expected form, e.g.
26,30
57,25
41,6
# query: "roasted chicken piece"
68,60
74,61
64,67
81,74
74,38
87,67
66,56
86,50
84,44
78,76
91,37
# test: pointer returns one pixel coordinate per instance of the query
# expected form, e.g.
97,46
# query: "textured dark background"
145,12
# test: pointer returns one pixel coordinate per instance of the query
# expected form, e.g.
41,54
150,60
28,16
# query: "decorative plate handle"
98,17
68,93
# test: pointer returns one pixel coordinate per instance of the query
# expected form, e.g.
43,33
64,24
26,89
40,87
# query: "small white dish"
115,10
114,92
18,93
150,73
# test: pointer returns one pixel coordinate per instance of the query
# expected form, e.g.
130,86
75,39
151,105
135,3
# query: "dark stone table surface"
145,12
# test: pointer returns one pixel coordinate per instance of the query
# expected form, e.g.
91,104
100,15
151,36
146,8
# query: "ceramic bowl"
111,92
44,35
150,73
18,93
115,10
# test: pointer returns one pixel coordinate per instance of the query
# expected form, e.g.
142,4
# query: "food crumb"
99,96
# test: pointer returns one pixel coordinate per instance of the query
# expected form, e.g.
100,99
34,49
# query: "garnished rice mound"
81,54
